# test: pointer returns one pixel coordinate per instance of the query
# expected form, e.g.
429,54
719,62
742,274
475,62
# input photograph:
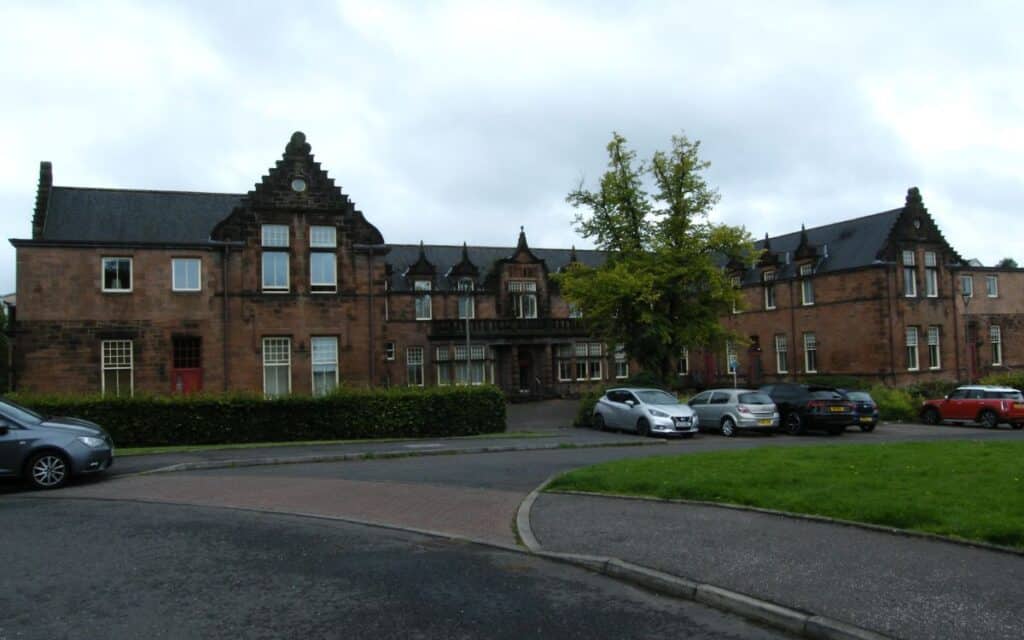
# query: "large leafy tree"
663,286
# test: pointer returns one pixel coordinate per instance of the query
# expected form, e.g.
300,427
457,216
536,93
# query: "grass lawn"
188,448
972,490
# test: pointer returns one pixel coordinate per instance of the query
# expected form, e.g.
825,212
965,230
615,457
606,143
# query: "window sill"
186,291
423,319
117,290
275,291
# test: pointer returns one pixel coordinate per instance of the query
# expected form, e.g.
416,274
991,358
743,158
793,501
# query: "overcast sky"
461,121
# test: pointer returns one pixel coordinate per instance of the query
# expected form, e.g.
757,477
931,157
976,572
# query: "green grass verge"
971,490
191,448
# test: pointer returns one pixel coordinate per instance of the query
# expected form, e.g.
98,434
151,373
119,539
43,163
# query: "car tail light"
816,405
742,408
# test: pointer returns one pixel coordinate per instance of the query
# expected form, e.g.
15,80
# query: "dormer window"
769,289
424,309
524,298
467,306
806,285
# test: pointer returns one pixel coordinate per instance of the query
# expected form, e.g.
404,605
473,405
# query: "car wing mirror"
631,403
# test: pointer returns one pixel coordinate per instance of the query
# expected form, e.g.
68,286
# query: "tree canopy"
663,285
1007,263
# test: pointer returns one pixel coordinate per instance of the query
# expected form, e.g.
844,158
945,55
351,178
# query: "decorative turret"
465,267
768,257
422,267
805,250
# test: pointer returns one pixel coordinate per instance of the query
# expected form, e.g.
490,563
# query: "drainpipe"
956,323
889,276
225,318
370,250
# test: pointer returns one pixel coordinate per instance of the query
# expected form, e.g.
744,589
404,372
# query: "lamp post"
966,297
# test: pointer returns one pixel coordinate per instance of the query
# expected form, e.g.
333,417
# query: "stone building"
288,288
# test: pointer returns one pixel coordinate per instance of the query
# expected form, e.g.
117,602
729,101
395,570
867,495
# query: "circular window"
917,223
298,185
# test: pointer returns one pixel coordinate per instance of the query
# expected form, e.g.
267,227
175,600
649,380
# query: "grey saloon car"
49,451
734,410
645,411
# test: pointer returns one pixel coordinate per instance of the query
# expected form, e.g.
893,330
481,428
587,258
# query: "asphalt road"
93,569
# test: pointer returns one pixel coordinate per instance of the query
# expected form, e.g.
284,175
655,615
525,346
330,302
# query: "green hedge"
238,418
585,410
1014,379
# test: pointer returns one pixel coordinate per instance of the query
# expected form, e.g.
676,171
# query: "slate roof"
444,257
124,215
849,244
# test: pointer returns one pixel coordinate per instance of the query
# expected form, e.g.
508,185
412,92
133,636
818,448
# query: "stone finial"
522,239
572,254
767,242
914,200
298,146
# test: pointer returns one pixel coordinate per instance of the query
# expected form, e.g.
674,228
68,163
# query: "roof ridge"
416,245
193,193
832,224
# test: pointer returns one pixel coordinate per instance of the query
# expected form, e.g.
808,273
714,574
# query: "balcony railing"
507,328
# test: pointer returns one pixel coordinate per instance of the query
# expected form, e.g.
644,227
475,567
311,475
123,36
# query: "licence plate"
865,419
837,409
765,422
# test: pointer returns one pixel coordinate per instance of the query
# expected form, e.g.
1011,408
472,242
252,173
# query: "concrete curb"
377,455
906,533
763,611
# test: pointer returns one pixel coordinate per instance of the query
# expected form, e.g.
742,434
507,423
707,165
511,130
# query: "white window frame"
103,274
443,368
287,272
324,286
563,354
995,337
523,291
199,274
737,283
781,353
621,362
595,362
967,285
768,278
414,358
931,282
270,235
323,237
909,274
806,285
276,342
322,361
683,362
934,347
389,351
575,311
580,353
423,299
912,351
992,286
467,303
111,361
810,346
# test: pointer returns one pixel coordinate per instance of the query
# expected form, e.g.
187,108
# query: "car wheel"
728,427
643,427
989,419
794,424
867,428
48,470
598,422
1017,426
931,416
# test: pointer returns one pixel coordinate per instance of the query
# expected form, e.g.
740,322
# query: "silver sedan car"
646,411
734,410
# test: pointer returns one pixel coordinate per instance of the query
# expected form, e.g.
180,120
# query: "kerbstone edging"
377,455
906,533
778,616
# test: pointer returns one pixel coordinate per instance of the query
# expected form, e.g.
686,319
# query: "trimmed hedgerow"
240,418
1013,379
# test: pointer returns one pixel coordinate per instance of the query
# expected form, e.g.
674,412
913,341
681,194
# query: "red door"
186,361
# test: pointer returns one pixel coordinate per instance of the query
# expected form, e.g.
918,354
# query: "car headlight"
90,441
659,414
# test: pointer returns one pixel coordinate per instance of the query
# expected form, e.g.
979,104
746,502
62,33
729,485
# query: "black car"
804,407
865,407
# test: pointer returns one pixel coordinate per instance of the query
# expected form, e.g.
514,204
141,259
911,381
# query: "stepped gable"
297,183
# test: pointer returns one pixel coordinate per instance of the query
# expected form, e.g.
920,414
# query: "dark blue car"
865,410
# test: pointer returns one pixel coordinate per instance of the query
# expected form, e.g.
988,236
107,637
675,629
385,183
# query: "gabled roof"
445,257
848,244
79,214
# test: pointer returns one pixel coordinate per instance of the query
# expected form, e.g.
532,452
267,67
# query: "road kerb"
753,608
822,628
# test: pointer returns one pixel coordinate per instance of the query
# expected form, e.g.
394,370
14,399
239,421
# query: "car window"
975,394
719,397
755,398
860,396
1003,395
959,394
823,394
657,397
700,398
614,396
19,413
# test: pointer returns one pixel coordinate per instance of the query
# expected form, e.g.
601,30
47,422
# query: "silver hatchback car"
646,411
734,410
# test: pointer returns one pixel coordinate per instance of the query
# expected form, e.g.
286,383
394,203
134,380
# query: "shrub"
932,390
1014,379
644,379
839,382
237,418
585,411
895,404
